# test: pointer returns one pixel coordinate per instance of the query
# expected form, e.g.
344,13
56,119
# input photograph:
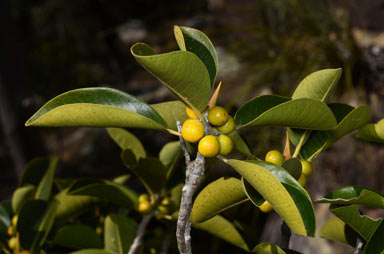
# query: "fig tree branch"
140,234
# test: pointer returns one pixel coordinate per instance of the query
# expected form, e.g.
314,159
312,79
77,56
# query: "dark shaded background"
266,46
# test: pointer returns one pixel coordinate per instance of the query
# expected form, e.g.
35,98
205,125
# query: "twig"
194,172
285,236
359,246
301,143
167,240
140,234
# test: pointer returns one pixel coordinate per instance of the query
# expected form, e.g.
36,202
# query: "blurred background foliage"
266,46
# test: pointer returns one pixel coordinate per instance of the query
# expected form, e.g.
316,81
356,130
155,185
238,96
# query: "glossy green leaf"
288,198
363,225
70,206
169,155
182,72
5,222
273,110
216,197
240,144
105,190
193,40
336,230
372,132
348,118
126,140
224,229
270,248
123,179
44,188
34,223
354,195
150,171
97,107
21,195
92,251
78,236
318,85
120,232
293,166
171,111
34,171
376,243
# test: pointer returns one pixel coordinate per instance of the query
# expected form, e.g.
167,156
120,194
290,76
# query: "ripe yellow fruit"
143,197
306,168
192,130
209,146
274,157
145,207
226,144
266,207
190,113
302,180
12,242
228,127
217,116
14,220
164,209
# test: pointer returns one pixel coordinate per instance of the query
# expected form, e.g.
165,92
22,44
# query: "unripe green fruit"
266,207
190,113
166,201
274,157
99,230
192,130
143,197
228,127
306,168
217,116
164,209
209,146
226,144
302,180
145,207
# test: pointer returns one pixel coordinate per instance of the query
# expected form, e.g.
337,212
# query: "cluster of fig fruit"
13,242
164,208
210,145
276,157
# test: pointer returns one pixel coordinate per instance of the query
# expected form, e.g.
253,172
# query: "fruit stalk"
140,233
194,172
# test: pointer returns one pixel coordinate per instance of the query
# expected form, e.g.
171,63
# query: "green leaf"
171,111
120,232
34,171
21,196
293,166
43,191
288,198
336,230
372,132
216,197
70,206
376,243
251,193
150,171
5,222
126,140
318,85
240,144
273,110
182,72
224,229
270,248
34,223
354,195
92,251
169,155
97,107
362,224
105,190
193,40
348,120
78,236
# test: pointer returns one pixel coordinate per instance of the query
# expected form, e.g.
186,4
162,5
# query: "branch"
359,246
285,236
167,240
140,234
194,172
